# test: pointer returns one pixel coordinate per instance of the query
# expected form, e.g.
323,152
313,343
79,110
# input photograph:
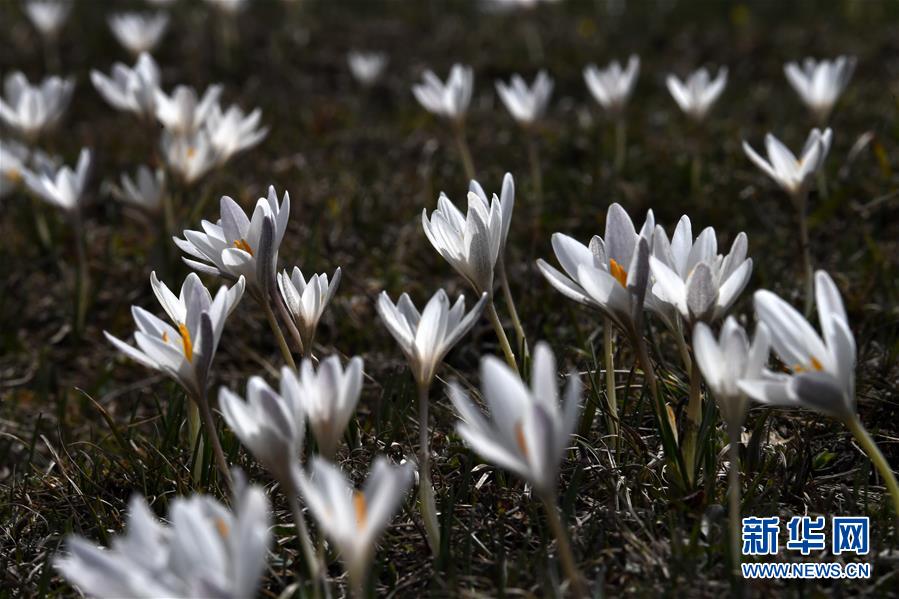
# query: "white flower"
13,158
189,156
145,190
233,131
820,83
611,274
527,105
448,100
794,176
328,398
269,424
693,277
472,243
228,7
239,246
306,300
184,351
133,90
427,337
728,359
138,32
696,96
612,87
367,67
65,187
32,109
206,551
354,520
529,430
182,112
822,371
48,16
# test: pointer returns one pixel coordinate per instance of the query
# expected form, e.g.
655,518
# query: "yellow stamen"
520,439
14,175
165,337
222,527
618,272
242,244
816,364
191,152
361,508
186,342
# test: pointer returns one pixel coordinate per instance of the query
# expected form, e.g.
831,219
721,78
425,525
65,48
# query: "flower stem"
82,289
305,541
805,249
696,173
520,337
620,144
279,336
889,477
536,175
425,489
733,483
464,152
194,424
611,392
694,416
291,326
566,556
501,334
213,437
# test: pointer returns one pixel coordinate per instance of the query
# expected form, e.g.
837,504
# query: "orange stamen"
361,508
222,527
618,272
242,244
186,342
520,439
14,176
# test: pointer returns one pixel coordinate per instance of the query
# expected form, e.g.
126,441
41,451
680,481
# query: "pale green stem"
521,338
733,482
464,151
279,336
305,541
805,249
620,144
611,392
194,424
168,210
696,173
212,437
566,556
290,324
880,463
822,184
40,223
694,418
536,175
501,334
425,488
83,283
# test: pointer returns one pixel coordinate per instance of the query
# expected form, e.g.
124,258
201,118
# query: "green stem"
425,488
536,175
805,249
520,337
694,417
213,438
279,336
566,556
620,144
312,563
82,289
880,463
611,392
822,184
696,173
501,334
733,482
464,151
194,424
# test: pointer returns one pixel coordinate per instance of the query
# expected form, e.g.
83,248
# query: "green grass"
81,428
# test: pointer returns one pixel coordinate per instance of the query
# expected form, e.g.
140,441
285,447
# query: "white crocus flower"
131,89
138,32
63,188
529,430
367,67
32,109
725,361
611,274
233,131
449,100
13,160
238,246
693,277
228,7
472,243
821,370
184,351
794,175
190,157
207,550
353,519
306,300
48,16
527,105
820,83
270,424
182,112
328,398
145,190
698,93
426,337
612,86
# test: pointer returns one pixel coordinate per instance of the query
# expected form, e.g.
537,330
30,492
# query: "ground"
82,428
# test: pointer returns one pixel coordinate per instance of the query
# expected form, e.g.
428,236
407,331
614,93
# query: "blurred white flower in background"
190,157
450,99
233,131
367,67
306,300
230,7
527,105
48,16
13,159
612,86
794,175
65,187
207,550
820,83
145,190
131,89
30,109
328,396
139,32
182,112
698,93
